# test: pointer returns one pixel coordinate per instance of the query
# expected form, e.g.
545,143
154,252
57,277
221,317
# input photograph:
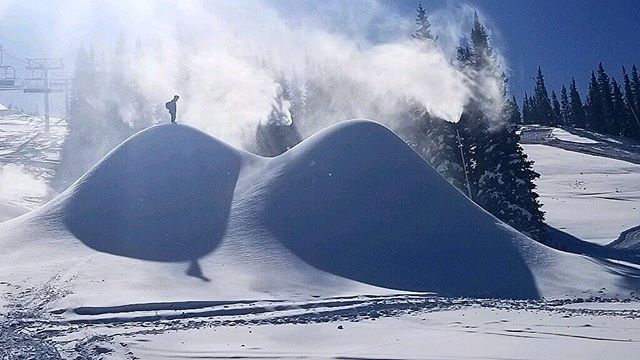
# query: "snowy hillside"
176,230
175,206
589,183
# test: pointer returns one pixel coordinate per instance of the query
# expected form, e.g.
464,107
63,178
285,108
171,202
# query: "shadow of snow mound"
162,195
356,201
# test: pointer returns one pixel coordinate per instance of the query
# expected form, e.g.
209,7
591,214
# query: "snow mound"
173,215
163,195
2,107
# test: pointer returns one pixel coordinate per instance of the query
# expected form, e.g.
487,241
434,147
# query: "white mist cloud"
17,185
224,58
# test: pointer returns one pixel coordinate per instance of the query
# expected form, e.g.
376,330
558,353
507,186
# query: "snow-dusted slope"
173,215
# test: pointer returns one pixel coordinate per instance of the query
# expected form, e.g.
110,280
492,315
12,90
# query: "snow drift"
173,214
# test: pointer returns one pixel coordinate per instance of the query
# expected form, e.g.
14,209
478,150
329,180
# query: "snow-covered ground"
564,135
593,198
347,246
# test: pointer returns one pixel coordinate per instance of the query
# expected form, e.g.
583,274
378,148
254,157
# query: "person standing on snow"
172,107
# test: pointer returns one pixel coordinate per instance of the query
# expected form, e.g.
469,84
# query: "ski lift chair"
7,77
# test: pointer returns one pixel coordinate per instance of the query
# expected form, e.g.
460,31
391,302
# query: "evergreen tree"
577,115
634,85
606,100
526,110
633,108
564,107
481,52
594,107
435,140
542,105
557,112
501,177
423,26
621,118
515,117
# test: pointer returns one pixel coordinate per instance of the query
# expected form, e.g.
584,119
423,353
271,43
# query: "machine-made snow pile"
174,215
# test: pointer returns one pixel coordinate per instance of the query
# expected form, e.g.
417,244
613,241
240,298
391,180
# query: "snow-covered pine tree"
433,138
506,185
423,26
502,178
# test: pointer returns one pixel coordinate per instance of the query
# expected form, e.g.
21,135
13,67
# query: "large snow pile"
2,107
175,215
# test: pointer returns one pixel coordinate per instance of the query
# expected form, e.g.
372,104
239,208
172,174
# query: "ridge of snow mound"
173,215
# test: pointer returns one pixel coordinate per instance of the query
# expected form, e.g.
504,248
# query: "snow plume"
226,58
17,185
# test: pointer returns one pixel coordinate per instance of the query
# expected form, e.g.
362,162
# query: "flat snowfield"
176,243
470,333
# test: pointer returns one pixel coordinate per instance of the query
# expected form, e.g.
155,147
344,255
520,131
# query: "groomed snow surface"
349,225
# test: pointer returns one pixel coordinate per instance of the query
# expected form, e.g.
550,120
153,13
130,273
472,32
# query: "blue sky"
565,37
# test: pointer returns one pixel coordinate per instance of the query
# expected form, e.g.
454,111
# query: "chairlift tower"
41,81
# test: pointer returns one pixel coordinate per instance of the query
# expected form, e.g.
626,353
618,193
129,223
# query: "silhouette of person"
172,107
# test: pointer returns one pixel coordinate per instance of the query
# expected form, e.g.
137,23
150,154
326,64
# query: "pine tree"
542,105
621,116
564,107
632,106
501,176
514,115
526,110
606,99
594,107
577,115
435,140
635,95
635,85
423,26
557,112
481,52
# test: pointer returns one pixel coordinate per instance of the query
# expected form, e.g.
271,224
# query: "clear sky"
565,37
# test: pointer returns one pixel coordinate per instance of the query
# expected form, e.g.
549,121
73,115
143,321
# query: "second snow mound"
358,202
173,214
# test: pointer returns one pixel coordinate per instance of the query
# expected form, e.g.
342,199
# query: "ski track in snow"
100,332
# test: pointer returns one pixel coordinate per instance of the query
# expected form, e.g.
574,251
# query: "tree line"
610,107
